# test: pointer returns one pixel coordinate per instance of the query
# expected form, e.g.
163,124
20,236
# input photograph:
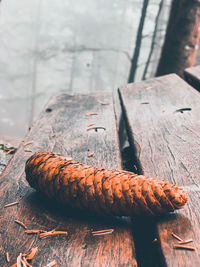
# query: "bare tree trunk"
153,40
136,53
182,37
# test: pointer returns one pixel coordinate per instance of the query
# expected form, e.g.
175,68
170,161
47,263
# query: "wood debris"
21,223
28,143
31,254
35,231
181,243
103,103
43,233
90,155
91,124
91,114
22,259
23,263
26,262
52,232
10,151
52,263
177,246
19,260
7,257
185,241
177,237
28,150
53,135
103,232
11,204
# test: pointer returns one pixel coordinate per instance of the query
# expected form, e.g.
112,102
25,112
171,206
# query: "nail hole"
48,110
181,110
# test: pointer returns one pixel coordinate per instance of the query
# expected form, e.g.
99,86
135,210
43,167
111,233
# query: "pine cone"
100,190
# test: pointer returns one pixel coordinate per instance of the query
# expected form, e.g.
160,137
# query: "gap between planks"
148,252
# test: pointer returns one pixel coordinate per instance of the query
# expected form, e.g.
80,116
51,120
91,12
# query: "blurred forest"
48,46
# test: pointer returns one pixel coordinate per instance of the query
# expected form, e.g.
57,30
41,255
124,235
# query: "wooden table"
163,130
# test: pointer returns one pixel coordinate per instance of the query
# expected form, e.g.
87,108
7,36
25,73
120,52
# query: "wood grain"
62,128
192,76
165,134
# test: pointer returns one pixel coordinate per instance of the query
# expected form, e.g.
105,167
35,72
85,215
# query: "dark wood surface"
164,129
62,127
192,76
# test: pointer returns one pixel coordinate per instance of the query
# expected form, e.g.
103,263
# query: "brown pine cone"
100,190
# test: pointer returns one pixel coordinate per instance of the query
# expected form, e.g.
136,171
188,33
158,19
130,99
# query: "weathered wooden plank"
62,127
163,124
192,76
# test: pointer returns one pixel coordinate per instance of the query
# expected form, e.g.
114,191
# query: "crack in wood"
181,110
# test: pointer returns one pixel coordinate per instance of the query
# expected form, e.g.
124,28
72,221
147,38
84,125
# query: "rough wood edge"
191,78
